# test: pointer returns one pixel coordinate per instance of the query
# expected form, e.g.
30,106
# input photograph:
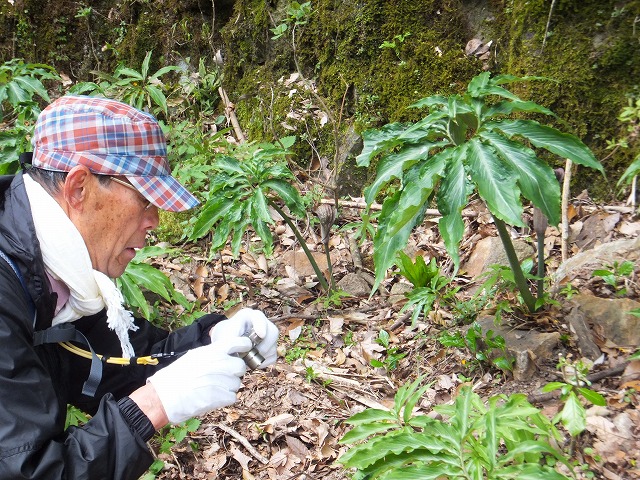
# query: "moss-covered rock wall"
343,66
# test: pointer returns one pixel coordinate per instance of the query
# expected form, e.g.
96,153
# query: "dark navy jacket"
37,383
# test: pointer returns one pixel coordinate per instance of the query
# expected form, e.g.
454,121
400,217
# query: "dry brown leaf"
202,272
223,293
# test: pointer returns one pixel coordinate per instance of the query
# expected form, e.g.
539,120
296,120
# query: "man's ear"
76,186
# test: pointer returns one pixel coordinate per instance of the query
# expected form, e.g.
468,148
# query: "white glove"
241,324
202,379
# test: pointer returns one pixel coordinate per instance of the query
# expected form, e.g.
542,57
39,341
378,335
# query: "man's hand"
203,379
242,323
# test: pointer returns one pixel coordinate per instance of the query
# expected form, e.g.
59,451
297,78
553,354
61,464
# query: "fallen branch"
229,109
378,207
245,443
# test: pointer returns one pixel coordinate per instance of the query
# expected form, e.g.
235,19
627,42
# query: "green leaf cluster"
240,191
21,90
141,89
139,274
506,439
427,284
573,414
466,143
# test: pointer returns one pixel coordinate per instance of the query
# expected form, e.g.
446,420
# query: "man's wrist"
149,403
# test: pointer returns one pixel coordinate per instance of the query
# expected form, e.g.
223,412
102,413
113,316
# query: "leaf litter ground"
289,418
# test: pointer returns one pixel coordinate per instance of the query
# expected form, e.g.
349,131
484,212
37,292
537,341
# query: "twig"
377,207
566,192
244,442
229,107
546,30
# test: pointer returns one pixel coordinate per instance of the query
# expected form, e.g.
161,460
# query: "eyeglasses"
128,185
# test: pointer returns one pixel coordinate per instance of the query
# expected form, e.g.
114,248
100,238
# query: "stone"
609,319
489,251
354,285
582,334
584,263
300,263
397,293
525,346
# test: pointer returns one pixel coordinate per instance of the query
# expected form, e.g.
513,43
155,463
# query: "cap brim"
165,192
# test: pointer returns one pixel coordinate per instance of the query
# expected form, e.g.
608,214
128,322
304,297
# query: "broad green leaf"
378,140
289,195
413,399
433,471
212,210
131,73
158,97
383,446
151,278
452,197
403,211
366,430
230,165
495,182
263,231
16,93
145,64
536,179
259,208
429,102
33,85
287,142
552,386
563,144
528,472
371,415
631,171
133,295
395,224
393,165
150,252
491,439
165,69
573,416
593,397
509,107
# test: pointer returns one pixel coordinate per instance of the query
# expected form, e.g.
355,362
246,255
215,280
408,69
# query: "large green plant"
21,91
466,143
241,192
140,89
139,274
506,439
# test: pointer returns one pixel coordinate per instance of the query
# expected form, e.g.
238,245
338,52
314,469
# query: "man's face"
114,221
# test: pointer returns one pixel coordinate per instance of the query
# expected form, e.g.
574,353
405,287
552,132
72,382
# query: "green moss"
592,54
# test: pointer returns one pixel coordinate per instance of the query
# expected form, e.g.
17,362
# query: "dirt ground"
289,418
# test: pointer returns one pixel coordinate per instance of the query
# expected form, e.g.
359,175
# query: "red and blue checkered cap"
110,138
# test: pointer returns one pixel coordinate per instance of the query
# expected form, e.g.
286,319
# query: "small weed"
573,415
615,275
392,354
482,347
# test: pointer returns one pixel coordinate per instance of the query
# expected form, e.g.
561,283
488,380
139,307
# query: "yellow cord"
115,360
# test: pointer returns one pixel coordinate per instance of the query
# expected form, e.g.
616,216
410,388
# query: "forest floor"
289,418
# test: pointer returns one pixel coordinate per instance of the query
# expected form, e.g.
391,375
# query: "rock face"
525,346
489,251
609,318
584,263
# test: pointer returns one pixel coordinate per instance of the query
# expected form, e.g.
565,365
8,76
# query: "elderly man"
68,226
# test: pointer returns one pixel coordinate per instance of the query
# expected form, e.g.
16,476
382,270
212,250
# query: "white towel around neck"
66,258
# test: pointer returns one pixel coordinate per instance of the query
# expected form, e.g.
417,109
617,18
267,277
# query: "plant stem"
518,276
323,281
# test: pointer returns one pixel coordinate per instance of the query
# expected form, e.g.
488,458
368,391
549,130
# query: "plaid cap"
110,138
